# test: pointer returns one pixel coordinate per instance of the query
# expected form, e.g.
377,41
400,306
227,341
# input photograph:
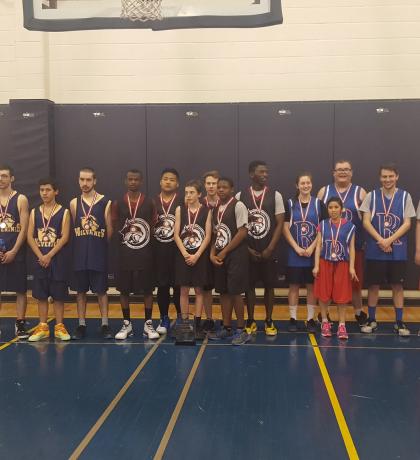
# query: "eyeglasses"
341,170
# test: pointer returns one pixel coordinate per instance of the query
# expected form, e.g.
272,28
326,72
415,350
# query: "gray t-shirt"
409,210
241,215
279,204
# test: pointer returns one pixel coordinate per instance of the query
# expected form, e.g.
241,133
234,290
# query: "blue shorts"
42,288
92,280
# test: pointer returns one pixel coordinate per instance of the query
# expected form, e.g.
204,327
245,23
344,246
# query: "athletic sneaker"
60,332
401,329
270,329
149,331
293,325
199,333
209,326
326,329
311,326
20,329
362,319
42,331
251,327
221,334
125,331
106,332
164,326
369,327
79,333
241,337
342,332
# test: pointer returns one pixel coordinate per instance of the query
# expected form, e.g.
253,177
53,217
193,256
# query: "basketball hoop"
141,10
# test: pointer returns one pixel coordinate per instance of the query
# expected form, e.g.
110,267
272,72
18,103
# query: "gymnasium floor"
292,397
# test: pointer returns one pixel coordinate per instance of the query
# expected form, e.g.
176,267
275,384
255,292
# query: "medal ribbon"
4,212
166,212
46,222
211,206
90,207
222,213
133,215
340,194
254,198
387,211
191,226
334,241
304,215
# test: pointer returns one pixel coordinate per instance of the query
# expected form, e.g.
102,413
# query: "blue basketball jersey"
386,224
336,248
303,231
351,202
90,243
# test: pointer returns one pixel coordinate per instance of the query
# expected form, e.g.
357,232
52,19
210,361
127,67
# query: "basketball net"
141,10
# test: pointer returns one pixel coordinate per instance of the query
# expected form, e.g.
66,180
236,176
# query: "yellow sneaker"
251,327
42,331
270,329
60,332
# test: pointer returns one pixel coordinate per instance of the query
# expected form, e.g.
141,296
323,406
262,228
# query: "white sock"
311,312
104,321
82,322
293,311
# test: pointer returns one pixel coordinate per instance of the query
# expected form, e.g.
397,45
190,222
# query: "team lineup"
208,236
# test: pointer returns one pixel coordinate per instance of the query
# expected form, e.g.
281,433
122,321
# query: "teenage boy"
91,214
14,216
48,235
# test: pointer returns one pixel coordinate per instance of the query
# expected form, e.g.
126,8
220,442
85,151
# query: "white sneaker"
149,331
125,331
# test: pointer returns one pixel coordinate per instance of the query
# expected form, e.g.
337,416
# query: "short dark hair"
48,181
7,168
226,179
88,169
196,184
389,167
335,199
212,173
343,161
254,165
135,171
171,171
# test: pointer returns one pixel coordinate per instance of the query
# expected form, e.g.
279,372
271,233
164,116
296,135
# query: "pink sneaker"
326,329
342,332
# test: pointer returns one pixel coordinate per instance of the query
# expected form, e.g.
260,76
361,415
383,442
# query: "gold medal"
334,255
3,225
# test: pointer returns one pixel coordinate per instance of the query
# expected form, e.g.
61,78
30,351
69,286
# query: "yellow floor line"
342,424
101,420
172,422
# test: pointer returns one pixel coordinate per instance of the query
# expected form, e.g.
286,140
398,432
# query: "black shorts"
13,277
92,280
233,276
264,272
134,282
300,275
379,272
42,288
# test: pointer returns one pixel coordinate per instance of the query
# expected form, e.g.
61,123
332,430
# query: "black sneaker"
20,329
106,332
293,325
311,326
79,333
401,329
361,319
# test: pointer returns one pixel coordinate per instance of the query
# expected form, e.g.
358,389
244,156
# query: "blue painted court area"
267,399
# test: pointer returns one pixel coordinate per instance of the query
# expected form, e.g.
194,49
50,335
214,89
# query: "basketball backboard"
59,15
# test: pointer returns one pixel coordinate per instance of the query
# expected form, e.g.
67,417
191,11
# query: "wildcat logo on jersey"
193,238
135,233
388,225
306,233
259,223
9,224
223,236
164,230
89,227
47,238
